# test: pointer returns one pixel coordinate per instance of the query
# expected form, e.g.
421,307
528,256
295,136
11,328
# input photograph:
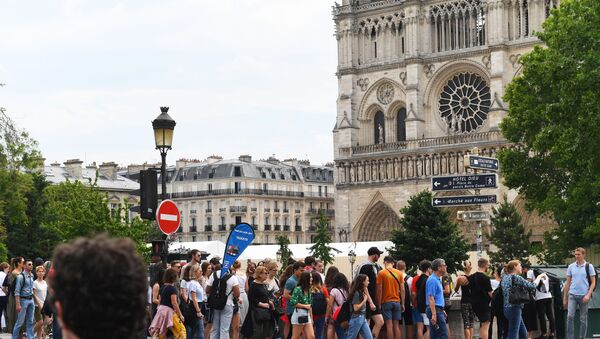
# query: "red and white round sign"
168,217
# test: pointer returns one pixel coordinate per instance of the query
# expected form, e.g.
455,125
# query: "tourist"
24,304
195,296
529,313
466,308
4,267
290,284
320,267
240,304
301,304
168,314
332,271
545,309
221,319
418,294
359,294
11,309
40,291
319,305
407,318
337,296
513,312
390,295
580,284
261,307
481,295
207,269
370,268
435,301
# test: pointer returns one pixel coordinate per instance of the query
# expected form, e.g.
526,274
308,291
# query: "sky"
86,78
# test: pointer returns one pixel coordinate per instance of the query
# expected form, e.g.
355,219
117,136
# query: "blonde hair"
260,270
580,249
271,265
237,265
194,271
510,267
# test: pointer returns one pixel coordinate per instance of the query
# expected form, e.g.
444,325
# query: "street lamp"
352,259
163,127
278,255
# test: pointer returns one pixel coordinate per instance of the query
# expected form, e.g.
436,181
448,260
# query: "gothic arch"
532,220
370,97
377,221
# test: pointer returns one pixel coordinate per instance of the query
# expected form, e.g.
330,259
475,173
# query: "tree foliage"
554,117
285,251
320,248
508,234
426,232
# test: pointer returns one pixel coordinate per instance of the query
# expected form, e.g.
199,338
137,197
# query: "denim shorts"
417,316
391,310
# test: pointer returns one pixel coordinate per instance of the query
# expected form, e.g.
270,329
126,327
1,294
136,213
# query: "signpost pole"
479,232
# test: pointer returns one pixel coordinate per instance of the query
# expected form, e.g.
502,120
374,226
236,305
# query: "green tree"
426,232
554,117
508,234
284,250
76,209
321,249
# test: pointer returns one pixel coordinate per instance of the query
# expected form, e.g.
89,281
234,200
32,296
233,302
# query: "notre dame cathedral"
421,83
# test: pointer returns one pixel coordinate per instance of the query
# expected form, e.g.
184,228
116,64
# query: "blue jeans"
575,300
25,317
339,331
319,325
516,326
358,324
439,330
197,332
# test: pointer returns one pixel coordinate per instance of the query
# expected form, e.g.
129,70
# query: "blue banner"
239,238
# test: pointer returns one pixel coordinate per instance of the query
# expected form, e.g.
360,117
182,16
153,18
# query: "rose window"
465,102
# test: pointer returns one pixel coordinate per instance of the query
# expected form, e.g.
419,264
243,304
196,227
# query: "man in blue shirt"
578,291
435,301
24,301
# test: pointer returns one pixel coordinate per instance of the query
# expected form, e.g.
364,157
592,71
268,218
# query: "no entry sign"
168,217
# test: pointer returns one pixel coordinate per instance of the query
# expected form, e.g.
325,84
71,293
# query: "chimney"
213,158
73,168
108,170
181,163
245,158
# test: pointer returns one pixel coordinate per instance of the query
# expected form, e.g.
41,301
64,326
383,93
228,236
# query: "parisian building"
277,198
420,84
120,191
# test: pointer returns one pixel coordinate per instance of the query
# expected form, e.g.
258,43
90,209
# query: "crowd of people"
99,288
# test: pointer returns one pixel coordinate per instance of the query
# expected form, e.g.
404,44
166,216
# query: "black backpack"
319,304
587,274
343,317
497,303
217,298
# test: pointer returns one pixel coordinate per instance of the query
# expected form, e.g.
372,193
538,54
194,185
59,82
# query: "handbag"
518,294
262,315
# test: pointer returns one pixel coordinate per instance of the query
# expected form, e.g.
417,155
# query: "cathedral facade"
421,83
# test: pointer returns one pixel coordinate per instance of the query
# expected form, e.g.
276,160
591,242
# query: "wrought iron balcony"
222,228
238,209
193,229
298,228
208,228
208,210
267,227
277,227
286,228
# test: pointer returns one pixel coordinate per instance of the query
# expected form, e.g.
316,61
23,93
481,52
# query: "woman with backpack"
337,297
301,301
512,312
359,294
320,307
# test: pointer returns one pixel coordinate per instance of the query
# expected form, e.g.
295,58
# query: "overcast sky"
86,78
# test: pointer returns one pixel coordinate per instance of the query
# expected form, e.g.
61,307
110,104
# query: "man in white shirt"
222,318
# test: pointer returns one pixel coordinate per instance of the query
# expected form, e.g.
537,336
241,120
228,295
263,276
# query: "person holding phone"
359,294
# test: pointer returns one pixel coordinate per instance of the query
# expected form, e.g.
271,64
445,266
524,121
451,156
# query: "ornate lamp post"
352,259
278,255
163,127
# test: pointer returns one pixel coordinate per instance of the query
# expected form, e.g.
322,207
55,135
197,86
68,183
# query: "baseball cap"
374,250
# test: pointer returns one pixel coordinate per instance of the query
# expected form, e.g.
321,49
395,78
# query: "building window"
253,220
320,191
113,209
237,171
401,125
193,238
266,239
222,220
297,222
209,221
209,238
237,187
297,239
209,204
210,187
265,187
193,222
379,128
325,190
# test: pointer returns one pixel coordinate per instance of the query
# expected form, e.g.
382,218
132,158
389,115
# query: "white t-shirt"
495,283
242,281
538,294
194,286
231,282
272,286
2,277
41,290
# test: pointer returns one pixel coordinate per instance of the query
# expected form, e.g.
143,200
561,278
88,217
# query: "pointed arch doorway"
377,222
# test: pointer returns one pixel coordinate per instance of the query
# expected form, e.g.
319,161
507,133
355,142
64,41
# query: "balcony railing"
253,209
231,191
192,211
193,229
255,227
285,210
222,210
297,211
298,228
318,195
277,227
208,210
312,228
267,227
327,212
286,228
267,210
208,228
238,209
222,228
276,210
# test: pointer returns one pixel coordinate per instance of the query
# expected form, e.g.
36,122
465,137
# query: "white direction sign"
463,200
472,215
478,162
464,182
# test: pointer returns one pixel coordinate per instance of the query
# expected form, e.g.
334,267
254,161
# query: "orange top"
390,289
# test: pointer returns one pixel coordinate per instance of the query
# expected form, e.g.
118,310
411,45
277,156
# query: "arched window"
379,128
401,125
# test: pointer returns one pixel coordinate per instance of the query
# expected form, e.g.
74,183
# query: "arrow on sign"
436,184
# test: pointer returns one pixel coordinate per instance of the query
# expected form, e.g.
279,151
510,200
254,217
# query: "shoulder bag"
519,294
